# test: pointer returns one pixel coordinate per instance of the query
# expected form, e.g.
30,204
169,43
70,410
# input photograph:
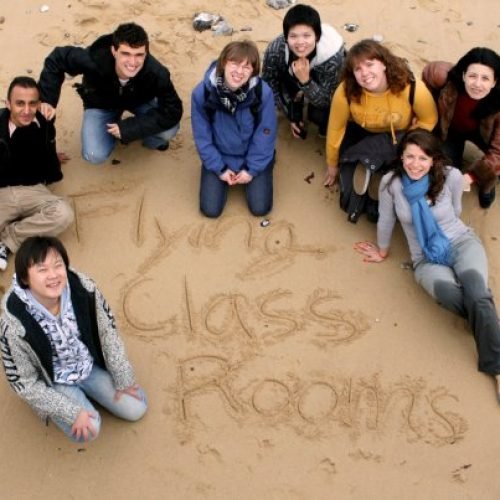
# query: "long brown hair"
397,71
432,147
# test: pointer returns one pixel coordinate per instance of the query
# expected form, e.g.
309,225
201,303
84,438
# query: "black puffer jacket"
100,87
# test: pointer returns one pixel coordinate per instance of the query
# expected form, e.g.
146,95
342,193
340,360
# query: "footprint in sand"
430,5
85,20
95,4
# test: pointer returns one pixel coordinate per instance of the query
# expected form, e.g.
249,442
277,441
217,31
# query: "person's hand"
83,427
48,111
297,129
243,177
131,391
63,157
370,251
301,69
331,176
228,176
114,130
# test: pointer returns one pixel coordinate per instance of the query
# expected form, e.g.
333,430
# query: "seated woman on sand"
234,129
449,261
377,100
468,96
60,345
303,65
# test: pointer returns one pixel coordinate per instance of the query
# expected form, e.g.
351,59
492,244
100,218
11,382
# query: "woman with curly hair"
468,97
377,97
449,261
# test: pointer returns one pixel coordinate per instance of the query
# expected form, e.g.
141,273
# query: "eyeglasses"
243,67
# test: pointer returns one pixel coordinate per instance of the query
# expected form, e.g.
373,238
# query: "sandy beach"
277,364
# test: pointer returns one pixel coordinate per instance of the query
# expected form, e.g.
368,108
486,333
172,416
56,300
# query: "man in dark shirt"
28,162
119,74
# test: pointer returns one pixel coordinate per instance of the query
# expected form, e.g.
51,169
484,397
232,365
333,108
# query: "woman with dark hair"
468,97
60,345
449,261
234,129
303,65
379,98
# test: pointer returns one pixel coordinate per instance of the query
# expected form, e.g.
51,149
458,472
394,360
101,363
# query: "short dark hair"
25,82
302,14
239,51
490,104
33,251
131,34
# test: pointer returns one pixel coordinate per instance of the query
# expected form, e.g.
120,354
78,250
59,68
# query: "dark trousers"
259,192
454,146
463,289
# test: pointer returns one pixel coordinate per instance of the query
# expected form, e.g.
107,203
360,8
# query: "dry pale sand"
277,364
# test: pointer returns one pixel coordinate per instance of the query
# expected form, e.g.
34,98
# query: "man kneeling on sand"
60,345
28,162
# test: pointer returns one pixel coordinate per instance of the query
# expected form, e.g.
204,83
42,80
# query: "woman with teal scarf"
449,260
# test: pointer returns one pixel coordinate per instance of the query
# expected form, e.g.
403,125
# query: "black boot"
486,198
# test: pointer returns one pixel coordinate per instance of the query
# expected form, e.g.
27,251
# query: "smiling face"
301,40
479,80
236,74
370,75
128,60
47,279
23,104
416,162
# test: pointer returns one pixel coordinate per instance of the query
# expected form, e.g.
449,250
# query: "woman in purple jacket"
234,129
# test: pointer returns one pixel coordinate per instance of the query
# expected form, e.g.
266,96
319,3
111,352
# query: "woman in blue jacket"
234,129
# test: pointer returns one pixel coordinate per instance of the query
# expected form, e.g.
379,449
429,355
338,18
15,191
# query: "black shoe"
163,147
486,199
372,210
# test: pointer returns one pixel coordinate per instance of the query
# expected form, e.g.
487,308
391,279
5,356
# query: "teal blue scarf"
435,245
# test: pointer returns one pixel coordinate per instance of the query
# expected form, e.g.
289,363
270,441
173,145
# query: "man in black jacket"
28,162
119,74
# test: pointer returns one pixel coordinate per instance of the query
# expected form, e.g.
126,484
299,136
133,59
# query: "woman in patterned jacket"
60,346
303,65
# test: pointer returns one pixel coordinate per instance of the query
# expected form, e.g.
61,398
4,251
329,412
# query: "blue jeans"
99,386
259,192
463,289
98,144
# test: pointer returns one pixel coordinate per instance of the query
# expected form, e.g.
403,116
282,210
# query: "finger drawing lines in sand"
319,404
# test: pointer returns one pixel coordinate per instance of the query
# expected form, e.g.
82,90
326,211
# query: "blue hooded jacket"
233,140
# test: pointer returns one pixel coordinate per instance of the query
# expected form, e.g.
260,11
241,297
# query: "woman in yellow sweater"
378,94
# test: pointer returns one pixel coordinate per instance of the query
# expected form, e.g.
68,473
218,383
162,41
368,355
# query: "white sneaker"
4,253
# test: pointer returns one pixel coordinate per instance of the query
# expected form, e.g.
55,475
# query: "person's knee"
92,436
133,409
95,157
211,210
260,210
474,285
61,214
169,134
136,412
450,296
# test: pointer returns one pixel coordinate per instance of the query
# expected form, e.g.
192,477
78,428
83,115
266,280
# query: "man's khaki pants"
31,211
